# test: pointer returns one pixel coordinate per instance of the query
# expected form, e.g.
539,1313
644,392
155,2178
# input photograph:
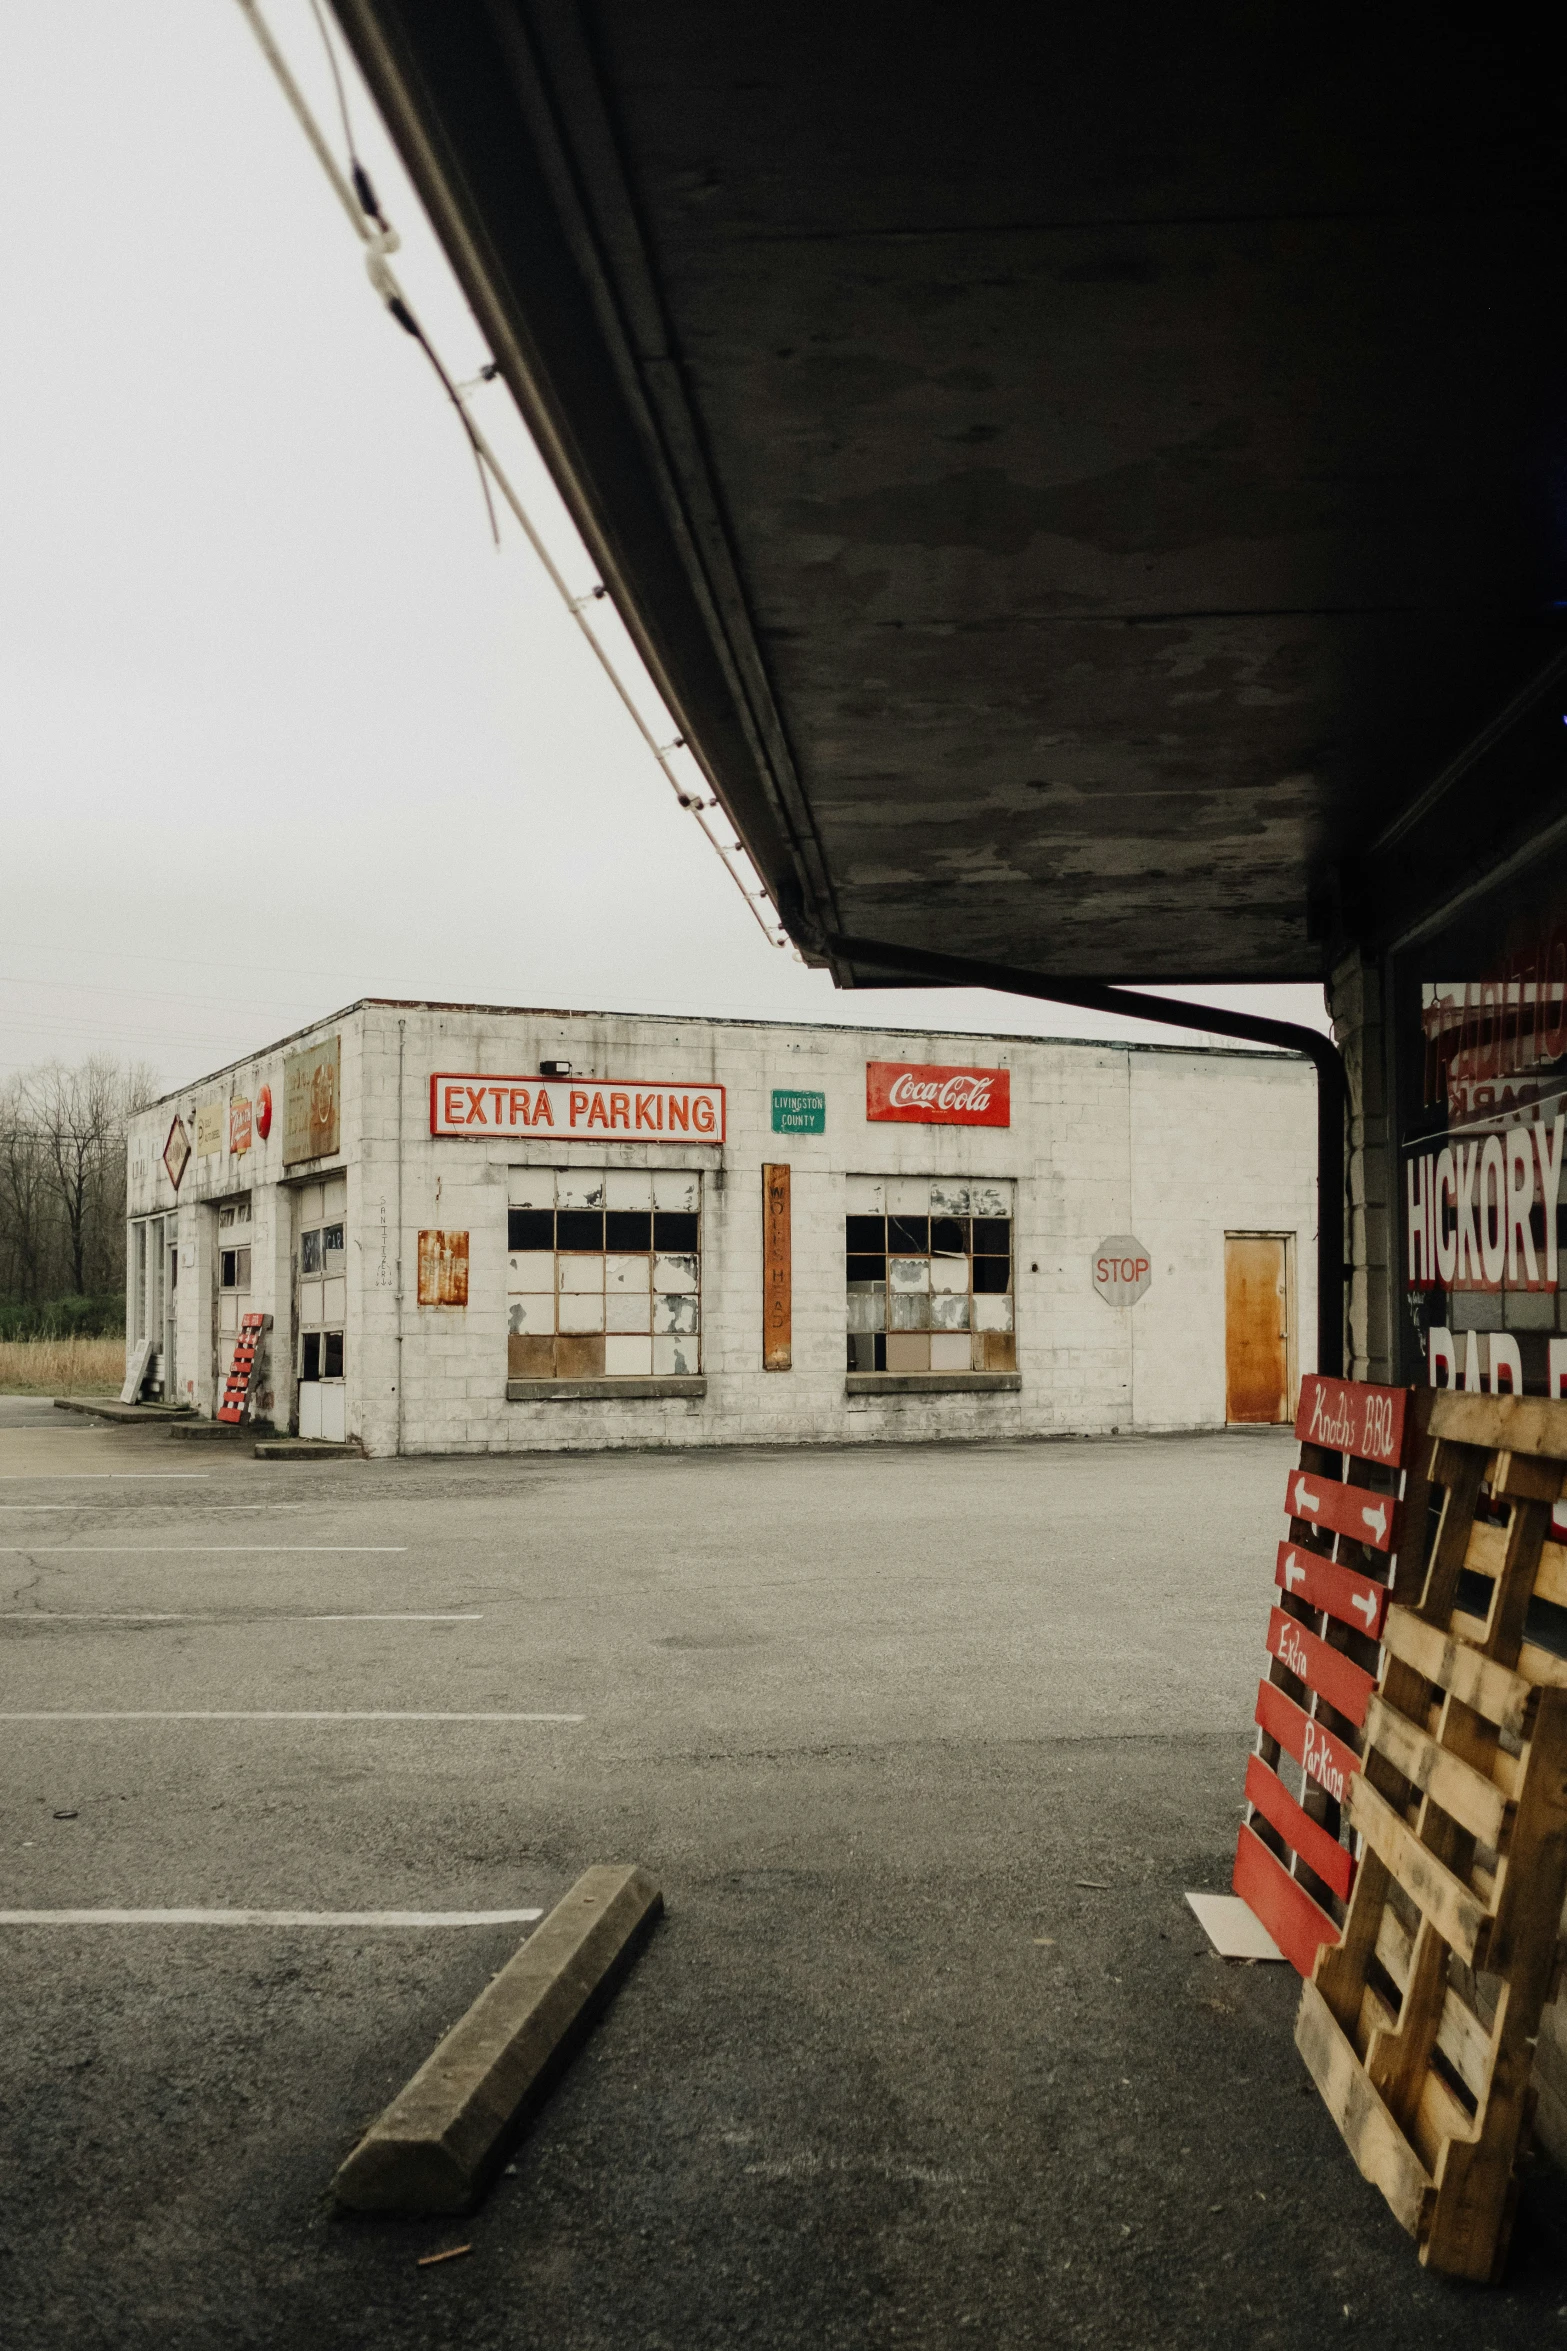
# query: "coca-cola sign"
933,1094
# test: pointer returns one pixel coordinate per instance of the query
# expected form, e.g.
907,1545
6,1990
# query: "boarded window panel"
533,1313
628,1358
992,1313
531,1269
674,1313
949,1351
628,1310
908,1273
579,1357
530,1356
948,1198
629,1188
949,1273
575,1312
677,1191
998,1350
949,1311
675,1358
674,1273
583,1275
908,1310
627,1273
908,1351
868,1308
579,1188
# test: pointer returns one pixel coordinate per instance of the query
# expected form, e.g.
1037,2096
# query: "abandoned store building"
481,1230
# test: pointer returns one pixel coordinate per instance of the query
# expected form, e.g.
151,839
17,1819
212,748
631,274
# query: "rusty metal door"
1256,1327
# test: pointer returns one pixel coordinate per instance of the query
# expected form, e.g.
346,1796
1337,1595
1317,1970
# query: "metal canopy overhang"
1087,482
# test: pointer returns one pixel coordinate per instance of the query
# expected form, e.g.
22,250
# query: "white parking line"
189,1550
268,1918
76,1477
275,1714
209,1616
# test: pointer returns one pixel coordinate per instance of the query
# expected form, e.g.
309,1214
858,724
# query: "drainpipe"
962,971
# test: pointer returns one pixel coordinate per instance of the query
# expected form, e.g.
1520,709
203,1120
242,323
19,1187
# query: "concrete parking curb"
435,2144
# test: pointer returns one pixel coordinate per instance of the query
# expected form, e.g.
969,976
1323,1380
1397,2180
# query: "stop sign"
1121,1269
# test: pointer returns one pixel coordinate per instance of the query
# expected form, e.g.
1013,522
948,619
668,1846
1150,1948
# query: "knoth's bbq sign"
935,1094
464,1104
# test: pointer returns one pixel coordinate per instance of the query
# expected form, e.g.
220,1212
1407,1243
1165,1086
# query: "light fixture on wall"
554,1069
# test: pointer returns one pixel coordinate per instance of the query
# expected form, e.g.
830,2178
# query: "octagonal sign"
1121,1269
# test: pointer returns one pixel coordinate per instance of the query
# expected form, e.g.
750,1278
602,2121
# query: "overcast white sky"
278,727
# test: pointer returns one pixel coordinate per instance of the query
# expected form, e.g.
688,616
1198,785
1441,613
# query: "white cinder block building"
482,1230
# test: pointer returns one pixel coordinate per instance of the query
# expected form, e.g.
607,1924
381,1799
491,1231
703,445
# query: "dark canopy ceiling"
1076,473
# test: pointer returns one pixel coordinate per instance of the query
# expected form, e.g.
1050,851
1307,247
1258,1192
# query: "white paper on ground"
1234,1931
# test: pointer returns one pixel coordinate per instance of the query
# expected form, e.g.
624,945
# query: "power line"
380,240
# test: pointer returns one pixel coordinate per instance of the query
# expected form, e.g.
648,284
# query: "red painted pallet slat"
1346,1686
1267,1794
1339,1576
1327,1760
1337,1591
1343,1510
1298,1925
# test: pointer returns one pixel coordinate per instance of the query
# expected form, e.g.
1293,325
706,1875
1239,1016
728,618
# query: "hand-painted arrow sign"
1353,1598
1323,1502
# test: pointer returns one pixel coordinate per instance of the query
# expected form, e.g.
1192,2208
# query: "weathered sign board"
777,1275
659,1111
312,1102
443,1269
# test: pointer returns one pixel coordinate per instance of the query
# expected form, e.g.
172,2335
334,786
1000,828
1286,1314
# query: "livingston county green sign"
799,1114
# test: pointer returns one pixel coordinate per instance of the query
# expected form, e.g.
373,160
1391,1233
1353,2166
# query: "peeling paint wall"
1178,1146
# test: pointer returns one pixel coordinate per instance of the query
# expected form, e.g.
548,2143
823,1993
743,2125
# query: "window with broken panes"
322,1275
603,1273
929,1272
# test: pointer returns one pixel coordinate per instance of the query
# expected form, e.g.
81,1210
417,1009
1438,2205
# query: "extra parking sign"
1121,1269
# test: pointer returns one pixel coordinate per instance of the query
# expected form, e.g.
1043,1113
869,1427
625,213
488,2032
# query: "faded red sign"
938,1094
463,1103
1352,1416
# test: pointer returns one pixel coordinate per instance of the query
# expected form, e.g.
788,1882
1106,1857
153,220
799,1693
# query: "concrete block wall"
1176,1146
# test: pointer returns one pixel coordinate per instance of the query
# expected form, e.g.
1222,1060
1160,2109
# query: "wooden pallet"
1348,1502
1419,2027
244,1367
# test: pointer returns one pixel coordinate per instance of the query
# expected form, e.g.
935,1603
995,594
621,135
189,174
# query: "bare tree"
62,1176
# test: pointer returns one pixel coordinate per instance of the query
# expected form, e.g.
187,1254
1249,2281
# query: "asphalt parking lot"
925,1746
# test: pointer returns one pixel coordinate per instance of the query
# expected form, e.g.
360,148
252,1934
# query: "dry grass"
62,1367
